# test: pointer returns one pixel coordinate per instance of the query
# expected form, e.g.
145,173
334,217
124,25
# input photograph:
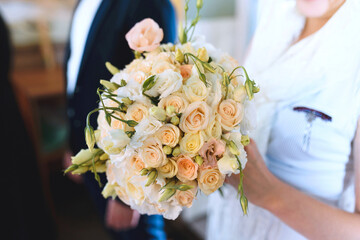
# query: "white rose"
114,142
116,78
195,89
166,83
132,90
228,164
146,127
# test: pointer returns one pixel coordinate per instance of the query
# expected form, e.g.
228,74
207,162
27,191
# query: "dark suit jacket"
26,212
106,42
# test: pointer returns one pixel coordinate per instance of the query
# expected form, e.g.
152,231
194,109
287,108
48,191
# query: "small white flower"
166,83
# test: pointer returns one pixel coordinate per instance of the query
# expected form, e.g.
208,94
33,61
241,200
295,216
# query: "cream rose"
191,143
140,65
137,112
169,135
195,117
169,170
161,66
210,179
231,113
195,89
186,198
138,76
152,153
187,168
177,100
145,36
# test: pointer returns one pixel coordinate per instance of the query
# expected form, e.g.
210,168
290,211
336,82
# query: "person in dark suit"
97,36
25,211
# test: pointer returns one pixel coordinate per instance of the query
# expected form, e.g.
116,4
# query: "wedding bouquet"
172,123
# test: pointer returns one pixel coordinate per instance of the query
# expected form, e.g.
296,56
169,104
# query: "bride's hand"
259,183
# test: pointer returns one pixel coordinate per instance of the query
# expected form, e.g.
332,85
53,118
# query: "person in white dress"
302,178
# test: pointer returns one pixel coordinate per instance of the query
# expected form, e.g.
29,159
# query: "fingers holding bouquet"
258,182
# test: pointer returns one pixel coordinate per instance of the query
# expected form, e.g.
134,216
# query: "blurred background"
39,31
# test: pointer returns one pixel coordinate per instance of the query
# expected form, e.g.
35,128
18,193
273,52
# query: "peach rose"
185,71
231,113
152,153
136,163
195,117
145,36
177,100
186,198
210,179
187,168
169,135
210,151
137,112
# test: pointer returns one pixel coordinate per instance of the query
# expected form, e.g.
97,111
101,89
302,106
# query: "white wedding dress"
320,72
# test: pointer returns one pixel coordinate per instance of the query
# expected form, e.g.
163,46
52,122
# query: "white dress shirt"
83,18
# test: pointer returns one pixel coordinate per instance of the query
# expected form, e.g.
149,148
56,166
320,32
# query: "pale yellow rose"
177,100
239,94
169,135
186,198
137,112
169,170
195,118
231,113
152,153
191,143
210,179
187,168
195,89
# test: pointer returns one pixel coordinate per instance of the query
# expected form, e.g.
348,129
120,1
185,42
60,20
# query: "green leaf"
149,83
